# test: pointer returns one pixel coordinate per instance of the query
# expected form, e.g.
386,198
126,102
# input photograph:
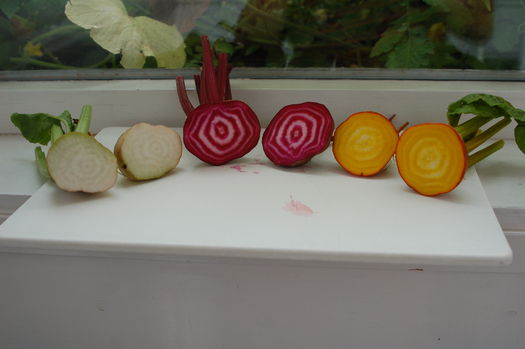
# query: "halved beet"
220,132
297,133
220,129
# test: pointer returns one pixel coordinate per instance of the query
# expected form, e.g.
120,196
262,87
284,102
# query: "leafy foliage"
486,105
36,128
413,51
489,107
268,33
134,37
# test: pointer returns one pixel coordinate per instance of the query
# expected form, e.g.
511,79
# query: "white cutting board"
253,209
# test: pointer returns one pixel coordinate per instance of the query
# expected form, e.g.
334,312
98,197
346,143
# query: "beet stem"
471,126
203,94
402,127
197,79
392,117
486,135
485,152
183,96
228,92
208,73
222,74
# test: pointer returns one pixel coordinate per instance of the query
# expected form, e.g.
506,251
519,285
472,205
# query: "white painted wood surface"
253,209
58,302
123,103
62,302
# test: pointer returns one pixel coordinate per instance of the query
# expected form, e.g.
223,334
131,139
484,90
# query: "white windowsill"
123,103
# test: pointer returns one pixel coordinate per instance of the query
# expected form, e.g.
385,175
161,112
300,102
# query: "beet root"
297,133
220,132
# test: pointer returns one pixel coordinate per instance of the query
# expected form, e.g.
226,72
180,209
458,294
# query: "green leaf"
222,45
134,37
387,42
413,51
485,105
36,128
519,136
10,7
459,16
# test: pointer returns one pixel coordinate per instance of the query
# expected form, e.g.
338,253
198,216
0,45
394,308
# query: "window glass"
434,34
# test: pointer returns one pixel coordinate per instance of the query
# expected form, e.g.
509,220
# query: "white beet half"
147,151
78,162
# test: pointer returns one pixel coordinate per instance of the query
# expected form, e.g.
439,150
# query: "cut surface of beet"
147,151
220,132
364,143
78,162
431,158
297,133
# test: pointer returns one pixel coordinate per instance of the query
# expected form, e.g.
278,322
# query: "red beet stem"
392,117
209,81
222,74
203,88
228,92
402,127
197,79
184,100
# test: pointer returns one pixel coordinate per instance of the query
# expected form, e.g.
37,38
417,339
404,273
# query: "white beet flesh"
78,162
147,151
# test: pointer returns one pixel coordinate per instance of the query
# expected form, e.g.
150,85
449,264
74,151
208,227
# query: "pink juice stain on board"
238,168
244,168
298,208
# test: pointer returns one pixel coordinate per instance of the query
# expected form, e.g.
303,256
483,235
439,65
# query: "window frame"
122,102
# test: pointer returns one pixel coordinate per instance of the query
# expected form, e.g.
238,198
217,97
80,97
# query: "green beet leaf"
36,128
485,105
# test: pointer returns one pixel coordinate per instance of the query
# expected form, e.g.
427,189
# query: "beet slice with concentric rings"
220,129
297,133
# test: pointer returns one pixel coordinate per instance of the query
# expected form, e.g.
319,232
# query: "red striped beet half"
297,133
219,130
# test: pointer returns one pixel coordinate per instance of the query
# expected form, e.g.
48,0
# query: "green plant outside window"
434,34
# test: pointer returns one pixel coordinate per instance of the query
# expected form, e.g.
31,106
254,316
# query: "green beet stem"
85,120
485,135
66,119
483,153
470,127
41,163
56,133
